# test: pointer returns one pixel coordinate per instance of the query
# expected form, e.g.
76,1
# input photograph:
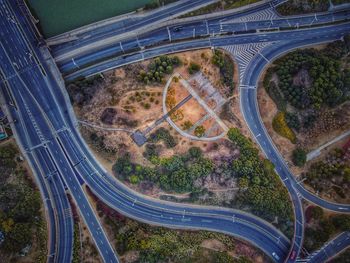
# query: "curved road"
49,116
250,109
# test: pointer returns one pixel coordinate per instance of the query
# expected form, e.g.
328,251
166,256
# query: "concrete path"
313,154
105,128
203,104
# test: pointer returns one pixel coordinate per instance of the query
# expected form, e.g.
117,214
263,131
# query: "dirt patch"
213,244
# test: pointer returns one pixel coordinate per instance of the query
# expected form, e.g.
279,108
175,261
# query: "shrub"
134,179
299,157
317,213
193,68
276,96
187,125
163,134
195,152
225,64
151,151
279,124
199,131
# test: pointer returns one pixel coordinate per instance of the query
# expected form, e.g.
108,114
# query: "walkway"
105,128
313,154
203,104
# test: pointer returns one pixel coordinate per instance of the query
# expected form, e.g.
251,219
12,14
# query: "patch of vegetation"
158,244
293,121
260,185
276,96
76,245
299,157
280,126
199,131
322,229
110,117
176,173
193,68
296,7
187,125
158,68
326,86
309,87
151,151
98,141
220,6
333,170
82,91
170,103
143,98
21,221
164,135
260,190
158,3
344,257
226,66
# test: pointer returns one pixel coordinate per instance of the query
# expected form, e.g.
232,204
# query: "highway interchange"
46,128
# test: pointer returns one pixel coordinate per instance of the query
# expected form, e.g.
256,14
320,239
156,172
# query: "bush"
225,64
199,131
276,96
193,68
299,157
342,222
134,179
152,150
280,125
187,125
317,213
163,134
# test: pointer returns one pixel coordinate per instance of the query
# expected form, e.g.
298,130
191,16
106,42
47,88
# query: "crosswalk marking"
266,14
244,53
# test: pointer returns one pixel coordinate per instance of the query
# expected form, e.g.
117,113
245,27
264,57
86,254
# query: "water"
59,16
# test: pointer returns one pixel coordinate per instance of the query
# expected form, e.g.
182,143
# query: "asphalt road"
332,248
38,100
75,57
25,78
123,24
44,110
188,32
249,107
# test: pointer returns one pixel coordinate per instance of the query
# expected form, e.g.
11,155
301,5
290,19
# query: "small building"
139,138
